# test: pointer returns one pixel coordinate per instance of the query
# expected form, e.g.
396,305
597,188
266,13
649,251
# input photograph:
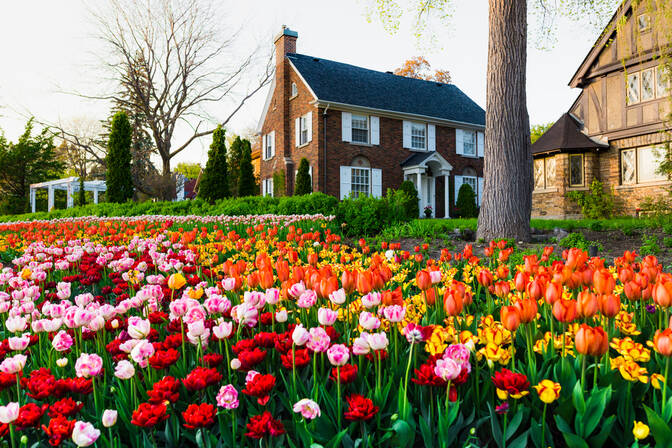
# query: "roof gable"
348,84
564,135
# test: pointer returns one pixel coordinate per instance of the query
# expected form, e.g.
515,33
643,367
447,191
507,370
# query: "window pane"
633,88
469,142
359,182
539,174
550,171
628,166
643,22
647,85
648,161
662,82
576,170
418,136
294,89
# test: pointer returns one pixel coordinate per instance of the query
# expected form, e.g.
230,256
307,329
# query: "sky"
50,50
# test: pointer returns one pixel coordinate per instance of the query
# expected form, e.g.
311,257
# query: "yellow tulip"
176,281
640,430
26,273
548,391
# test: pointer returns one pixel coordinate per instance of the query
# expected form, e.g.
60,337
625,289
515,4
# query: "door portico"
423,169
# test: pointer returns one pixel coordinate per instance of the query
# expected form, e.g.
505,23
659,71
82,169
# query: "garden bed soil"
613,243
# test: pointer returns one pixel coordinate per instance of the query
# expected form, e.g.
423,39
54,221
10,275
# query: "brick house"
364,131
616,130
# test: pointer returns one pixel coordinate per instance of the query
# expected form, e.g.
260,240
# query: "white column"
50,198
433,195
420,199
95,196
69,193
32,199
446,196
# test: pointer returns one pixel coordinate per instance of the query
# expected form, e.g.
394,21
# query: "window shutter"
263,147
270,186
346,125
459,142
458,184
345,181
272,137
376,182
431,137
263,187
407,134
309,123
481,144
297,131
480,190
375,130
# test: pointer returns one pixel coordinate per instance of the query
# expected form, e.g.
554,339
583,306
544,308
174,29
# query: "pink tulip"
371,299
124,370
338,355
307,299
394,313
368,321
14,364
300,335
227,397
62,341
447,369
88,365
326,316
9,413
84,434
307,408
138,328
319,340
109,418
378,341
338,297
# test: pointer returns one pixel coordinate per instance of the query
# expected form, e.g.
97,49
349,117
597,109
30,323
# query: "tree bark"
507,197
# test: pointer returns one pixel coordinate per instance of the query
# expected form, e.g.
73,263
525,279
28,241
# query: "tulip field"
275,331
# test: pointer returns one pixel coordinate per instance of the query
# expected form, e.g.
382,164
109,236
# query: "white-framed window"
360,181
469,143
472,181
576,170
662,82
544,173
268,143
360,128
303,133
648,90
643,22
418,136
640,165
267,187
295,90
633,88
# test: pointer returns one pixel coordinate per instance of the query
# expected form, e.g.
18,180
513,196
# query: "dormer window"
295,90
418,136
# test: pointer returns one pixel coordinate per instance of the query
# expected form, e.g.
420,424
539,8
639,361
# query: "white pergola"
69,184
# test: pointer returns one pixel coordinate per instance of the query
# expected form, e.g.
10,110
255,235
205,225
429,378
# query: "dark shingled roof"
416,158
564,135
357,86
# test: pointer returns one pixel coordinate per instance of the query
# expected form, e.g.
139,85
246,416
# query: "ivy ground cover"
271,331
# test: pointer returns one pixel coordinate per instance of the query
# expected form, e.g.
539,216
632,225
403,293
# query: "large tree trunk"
507,196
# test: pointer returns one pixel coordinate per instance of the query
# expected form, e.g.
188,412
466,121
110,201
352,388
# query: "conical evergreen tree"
81,200
246,179
119,181
304,185
214,182
235,154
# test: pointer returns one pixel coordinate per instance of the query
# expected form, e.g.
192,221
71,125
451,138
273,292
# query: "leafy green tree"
304,185
118,161
235,156
214,181
30,160
246,184
538,130
466,202
189,170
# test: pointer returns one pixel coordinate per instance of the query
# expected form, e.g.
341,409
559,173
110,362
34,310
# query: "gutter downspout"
324,171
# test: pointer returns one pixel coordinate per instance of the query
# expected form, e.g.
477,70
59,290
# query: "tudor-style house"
617,128
364,131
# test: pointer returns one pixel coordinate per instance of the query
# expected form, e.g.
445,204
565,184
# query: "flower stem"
667,371
338,397
543,426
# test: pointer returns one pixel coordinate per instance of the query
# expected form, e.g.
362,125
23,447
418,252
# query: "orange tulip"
485,277
535,289
603,281
452,302
521,279
662,290
553,292
348,281
564,310
364,282
591,341
527,309
626,274
423,280
312,259
662,342
510,317
502,289
266,279
586,304
632,290
610,305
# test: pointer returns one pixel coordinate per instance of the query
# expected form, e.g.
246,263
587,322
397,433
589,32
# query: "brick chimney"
285,42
